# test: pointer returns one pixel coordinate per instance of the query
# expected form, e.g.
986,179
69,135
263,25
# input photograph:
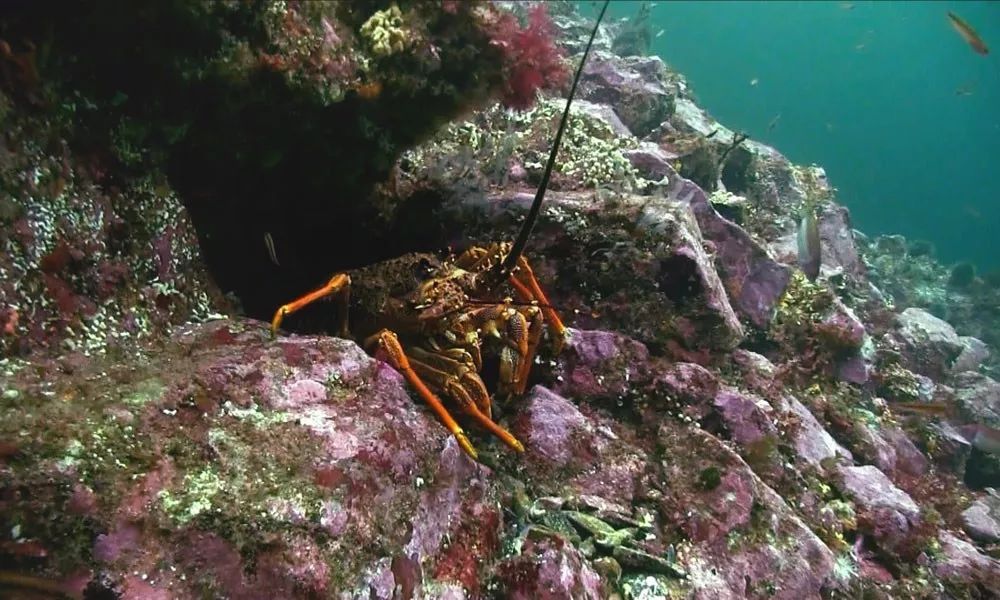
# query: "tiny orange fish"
369,91
968,34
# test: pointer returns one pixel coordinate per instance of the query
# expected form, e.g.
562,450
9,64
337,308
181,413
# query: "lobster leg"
339,285
465,392
453,366
524,276
393,350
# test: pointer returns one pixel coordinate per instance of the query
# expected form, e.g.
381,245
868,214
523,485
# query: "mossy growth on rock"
495,145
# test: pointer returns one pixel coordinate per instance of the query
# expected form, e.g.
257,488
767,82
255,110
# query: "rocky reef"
717,425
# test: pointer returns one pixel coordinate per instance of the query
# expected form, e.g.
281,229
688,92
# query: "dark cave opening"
737,172
679,279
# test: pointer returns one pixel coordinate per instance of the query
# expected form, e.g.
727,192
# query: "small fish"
847,6
965,90
774,122
754,81
830,127
972,211
368,91
271,252
930,409
660,32
808,242
968,34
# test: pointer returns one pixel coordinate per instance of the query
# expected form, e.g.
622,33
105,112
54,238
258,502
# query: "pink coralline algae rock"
796,563
688,386
549,569
754,280
302,452
604,113
651,161
930,345
747,418
812,442
885,512
757,372
596,364
903,456
554,430
586,452
635,87
962,564
838,245
841,328
666,291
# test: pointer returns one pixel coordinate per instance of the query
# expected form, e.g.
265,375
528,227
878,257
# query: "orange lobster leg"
393,350
526,277
339,284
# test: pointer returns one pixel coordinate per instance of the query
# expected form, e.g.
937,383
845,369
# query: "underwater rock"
978,398
953,449
548,569
841,328
974,353
812,442
961,564
885,512
600,364
838,248
88,266
227,454
604,113
726,521
754,280
982,520
929,344
756,370
889,449
837,236
748,419
651,161
636,87
906,457
568,450
688,385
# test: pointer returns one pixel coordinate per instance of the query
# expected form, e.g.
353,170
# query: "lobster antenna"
536,206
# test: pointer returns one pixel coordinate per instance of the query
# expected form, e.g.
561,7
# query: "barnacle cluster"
591,155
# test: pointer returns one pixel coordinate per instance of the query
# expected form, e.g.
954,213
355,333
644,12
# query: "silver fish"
809,246
271,252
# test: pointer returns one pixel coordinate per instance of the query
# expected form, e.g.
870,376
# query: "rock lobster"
431,316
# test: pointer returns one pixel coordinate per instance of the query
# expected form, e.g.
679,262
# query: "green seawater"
886,96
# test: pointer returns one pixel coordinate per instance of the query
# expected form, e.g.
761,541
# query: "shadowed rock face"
260,121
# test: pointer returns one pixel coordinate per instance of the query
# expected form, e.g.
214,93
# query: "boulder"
885,512
978,398
982,520
636,87
929,344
